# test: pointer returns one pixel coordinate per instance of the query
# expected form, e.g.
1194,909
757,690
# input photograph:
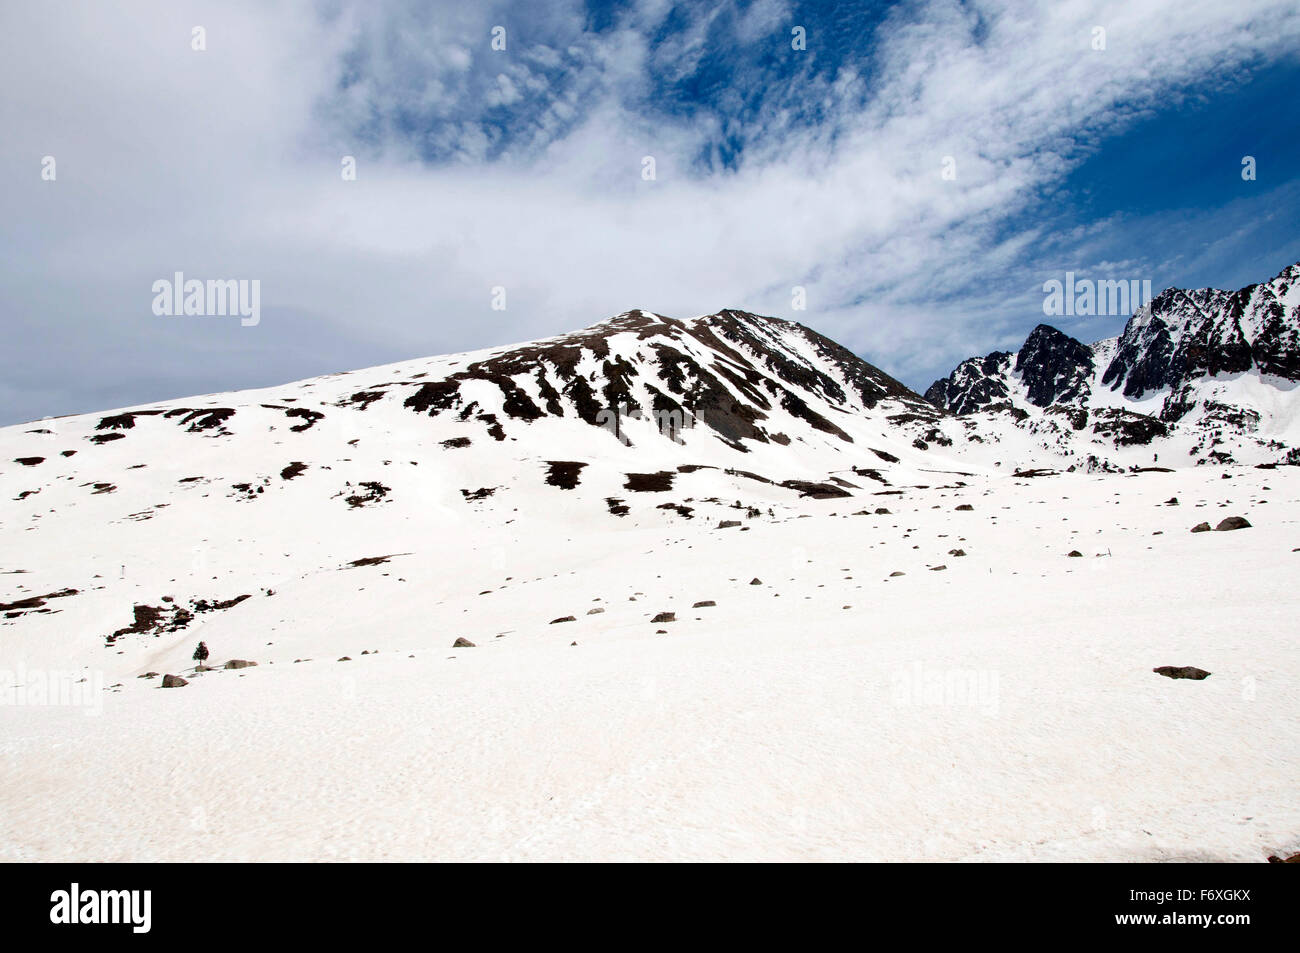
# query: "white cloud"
226,163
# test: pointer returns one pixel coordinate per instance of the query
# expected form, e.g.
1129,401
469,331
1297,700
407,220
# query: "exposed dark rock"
374,491
563,473
1232,522
1201,528
34,602
665,617
1183,671
818,491
1125,428
564,618
462,643
650,482
173,681
1054,367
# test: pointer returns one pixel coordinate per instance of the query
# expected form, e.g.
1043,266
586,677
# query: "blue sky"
522,168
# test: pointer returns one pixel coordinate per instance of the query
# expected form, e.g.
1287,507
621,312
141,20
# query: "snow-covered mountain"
733,391
1203,374
655,589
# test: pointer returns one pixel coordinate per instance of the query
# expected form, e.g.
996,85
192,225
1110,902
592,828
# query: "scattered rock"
564,618
897,573
1232,522
562,473
705,604
1201,528
1184,671
937,568
756,581
1172,501
173,681
345,659
665,617
956,552
148,675
1275,859
727,524
650,482
462,643
965,507
596,611
1074,553
240,663
881,511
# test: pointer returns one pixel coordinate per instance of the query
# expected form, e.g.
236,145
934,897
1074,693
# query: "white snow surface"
1001,708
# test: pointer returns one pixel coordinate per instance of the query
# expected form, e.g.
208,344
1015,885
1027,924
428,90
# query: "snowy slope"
855,668
1001,708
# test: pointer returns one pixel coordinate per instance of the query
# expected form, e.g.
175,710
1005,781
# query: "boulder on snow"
596,611
1201,528
1181,671
148,675
564,618
1232,522
1275,859
882,511
756,581
728,524
240,663
462,643
665,617
956,552
173,681
965,507
704,604
1074,553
